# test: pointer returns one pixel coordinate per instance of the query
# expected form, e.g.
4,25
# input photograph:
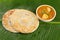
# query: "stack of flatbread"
20,20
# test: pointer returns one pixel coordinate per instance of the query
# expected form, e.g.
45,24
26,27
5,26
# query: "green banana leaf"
45,31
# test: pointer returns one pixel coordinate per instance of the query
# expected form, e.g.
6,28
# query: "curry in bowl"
46,13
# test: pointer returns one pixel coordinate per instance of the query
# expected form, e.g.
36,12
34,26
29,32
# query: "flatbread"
20,20
24,21
6,21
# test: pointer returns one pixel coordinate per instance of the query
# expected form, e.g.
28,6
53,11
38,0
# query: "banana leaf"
45,31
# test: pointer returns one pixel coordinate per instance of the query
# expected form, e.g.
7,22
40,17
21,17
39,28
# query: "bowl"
45,13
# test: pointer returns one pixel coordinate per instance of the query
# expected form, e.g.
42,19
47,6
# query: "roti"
20,20
6,21
24,21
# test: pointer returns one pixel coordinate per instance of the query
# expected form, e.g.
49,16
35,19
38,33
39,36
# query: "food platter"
45,31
